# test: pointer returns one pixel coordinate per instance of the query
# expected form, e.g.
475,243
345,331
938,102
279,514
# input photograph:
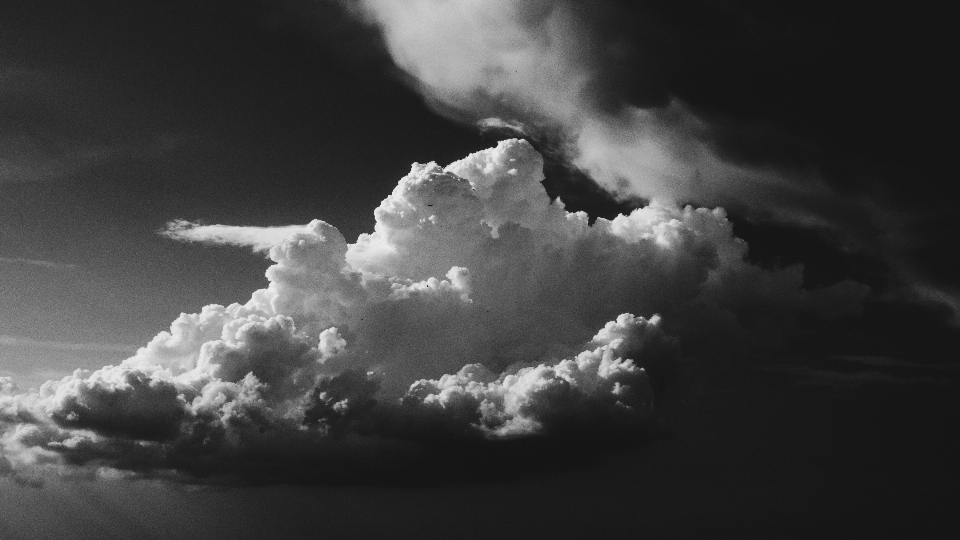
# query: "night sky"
824,404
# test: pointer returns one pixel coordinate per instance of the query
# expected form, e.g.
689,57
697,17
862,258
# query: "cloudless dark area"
260,112
120,116
225,112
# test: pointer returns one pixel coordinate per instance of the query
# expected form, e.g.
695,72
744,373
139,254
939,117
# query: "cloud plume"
548,65
582,78
477,312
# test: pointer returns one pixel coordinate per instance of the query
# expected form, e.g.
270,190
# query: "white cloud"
260,239
540,65
476,308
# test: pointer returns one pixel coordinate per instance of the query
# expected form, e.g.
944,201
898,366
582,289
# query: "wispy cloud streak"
17,341
259,239
36,262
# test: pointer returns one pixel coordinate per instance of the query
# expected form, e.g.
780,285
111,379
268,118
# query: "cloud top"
561,71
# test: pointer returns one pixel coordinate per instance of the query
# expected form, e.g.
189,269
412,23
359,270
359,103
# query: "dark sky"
859,92
117,117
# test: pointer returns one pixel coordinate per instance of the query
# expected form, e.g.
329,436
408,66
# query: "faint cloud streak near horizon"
37,262
19,341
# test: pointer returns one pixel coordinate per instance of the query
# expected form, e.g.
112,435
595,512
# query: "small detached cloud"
478,321
259,239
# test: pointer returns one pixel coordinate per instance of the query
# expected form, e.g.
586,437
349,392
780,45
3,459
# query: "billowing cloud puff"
597,385
477,312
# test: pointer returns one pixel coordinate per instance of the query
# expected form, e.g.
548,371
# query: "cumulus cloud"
597,385
477,313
